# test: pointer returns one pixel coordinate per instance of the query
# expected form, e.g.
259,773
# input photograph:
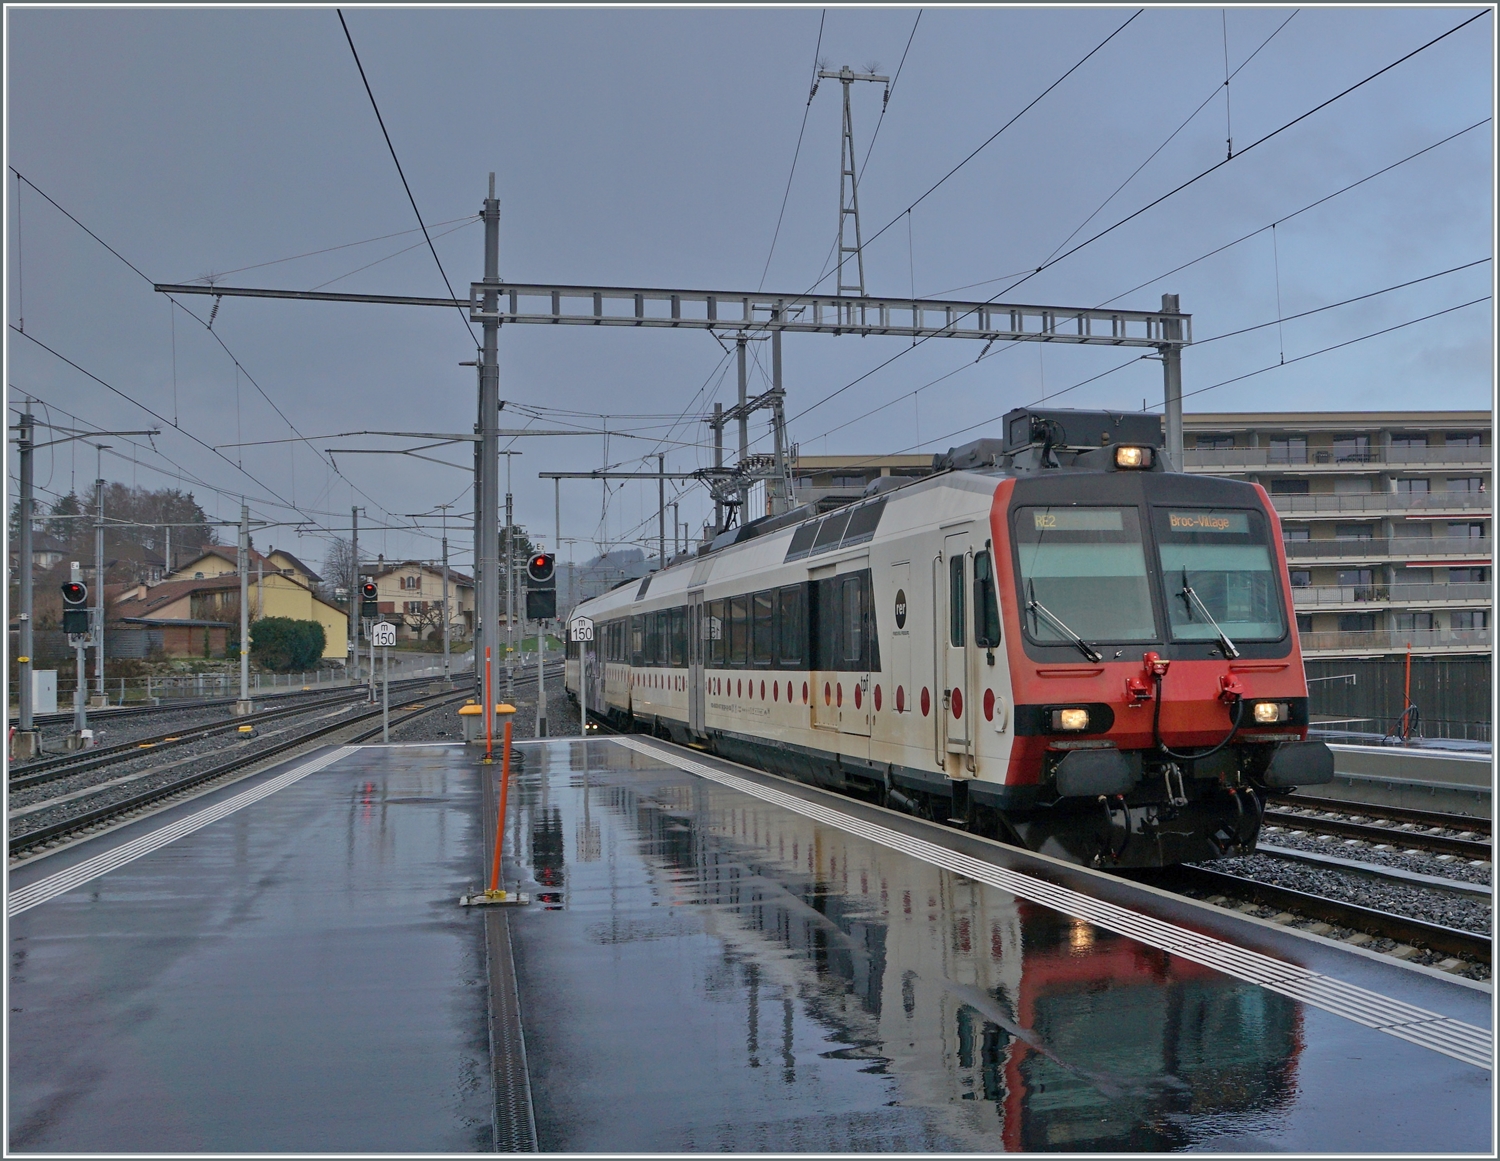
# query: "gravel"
442,725
111,728
154,769
1434,905
1424,862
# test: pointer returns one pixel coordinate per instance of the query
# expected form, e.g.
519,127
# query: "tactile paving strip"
101,864
1439,1033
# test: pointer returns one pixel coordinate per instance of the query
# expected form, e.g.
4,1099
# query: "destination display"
1229,523
1077,520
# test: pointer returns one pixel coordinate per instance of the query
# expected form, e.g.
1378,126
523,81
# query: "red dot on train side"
762,691
827,694
775,691
739,688
901,699
838,693
926,702
958,704
877,697
989,705
858,697
804,693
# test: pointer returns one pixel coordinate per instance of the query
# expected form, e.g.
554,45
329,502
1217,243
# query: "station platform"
713,959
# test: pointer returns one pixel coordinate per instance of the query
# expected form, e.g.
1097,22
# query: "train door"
857,622
957,705
900,691
697,631
823,609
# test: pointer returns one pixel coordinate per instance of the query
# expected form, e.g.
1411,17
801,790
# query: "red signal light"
368,590
75,594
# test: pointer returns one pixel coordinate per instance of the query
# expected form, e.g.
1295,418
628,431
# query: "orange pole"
489,711
500,817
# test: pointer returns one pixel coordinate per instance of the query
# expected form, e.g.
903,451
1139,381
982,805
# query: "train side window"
763,634
637,641
653,639
792,627
739,631
956,600
826,617
986,607
713,632
853,618
679,636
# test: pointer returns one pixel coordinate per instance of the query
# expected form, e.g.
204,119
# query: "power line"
468,326
884,105
1218,165
796,152
1337,346
239,367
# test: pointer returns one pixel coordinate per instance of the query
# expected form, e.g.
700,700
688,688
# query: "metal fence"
1452,694
1409,594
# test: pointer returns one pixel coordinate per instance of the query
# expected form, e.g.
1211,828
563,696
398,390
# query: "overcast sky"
652,148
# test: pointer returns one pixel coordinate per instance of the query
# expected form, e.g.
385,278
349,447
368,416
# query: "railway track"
1428,818
1418,933
112,713
101,818
1401,829
79,761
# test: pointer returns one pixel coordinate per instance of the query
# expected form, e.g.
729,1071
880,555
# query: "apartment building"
1386,518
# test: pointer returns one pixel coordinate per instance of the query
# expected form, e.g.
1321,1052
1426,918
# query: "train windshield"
1083,571
1218,569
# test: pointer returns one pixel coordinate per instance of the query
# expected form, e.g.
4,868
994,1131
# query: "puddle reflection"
1010,1026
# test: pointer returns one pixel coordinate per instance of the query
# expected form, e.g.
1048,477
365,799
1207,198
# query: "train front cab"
1146,618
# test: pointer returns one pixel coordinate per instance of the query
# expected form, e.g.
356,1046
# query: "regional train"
1054,640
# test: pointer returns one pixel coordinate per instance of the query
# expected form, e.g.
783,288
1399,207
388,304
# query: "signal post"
541,607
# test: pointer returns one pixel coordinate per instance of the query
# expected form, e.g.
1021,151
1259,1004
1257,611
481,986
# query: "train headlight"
1269,712
1133,457
1070,720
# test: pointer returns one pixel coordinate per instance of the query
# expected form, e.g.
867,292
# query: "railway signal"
541,586
75,596
368,606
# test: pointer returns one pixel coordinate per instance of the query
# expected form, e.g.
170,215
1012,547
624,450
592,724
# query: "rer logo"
900,608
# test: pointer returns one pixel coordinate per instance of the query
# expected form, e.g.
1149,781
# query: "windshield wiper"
1190,596
1036,606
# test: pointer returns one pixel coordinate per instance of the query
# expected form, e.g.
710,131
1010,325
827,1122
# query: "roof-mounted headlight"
1133,458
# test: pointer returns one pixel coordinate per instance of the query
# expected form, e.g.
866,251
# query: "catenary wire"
468,326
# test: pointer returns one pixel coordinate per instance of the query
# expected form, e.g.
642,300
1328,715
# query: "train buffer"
714,959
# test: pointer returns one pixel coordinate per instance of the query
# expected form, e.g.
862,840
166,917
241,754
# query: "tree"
338,565
285,645
61,527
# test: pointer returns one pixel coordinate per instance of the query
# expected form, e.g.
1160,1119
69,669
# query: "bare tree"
338,566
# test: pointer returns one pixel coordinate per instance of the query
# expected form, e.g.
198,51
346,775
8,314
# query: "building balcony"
1335,460
1331,598
1443,550
1376,641
1411,505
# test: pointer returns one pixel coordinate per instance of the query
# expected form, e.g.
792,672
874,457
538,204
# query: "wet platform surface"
294,977
700,970
703,970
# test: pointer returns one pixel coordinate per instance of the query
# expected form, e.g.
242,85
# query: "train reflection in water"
1015,1027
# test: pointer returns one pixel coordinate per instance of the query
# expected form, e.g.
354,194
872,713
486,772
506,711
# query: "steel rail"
81,761
110,713
137,802
1413,932
1368,832
1471,822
